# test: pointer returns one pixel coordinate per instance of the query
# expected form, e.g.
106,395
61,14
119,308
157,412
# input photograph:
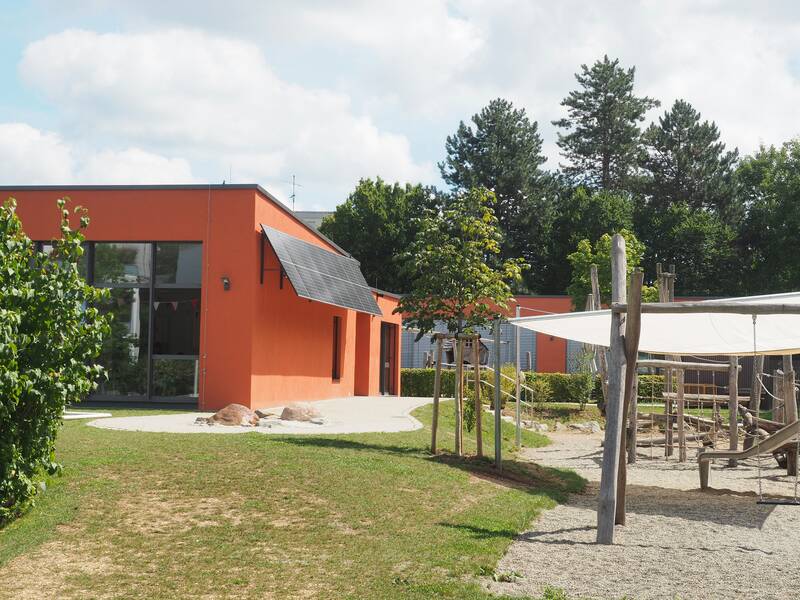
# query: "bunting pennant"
156,305
174,305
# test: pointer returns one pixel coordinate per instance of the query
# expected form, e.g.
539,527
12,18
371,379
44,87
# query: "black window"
337,327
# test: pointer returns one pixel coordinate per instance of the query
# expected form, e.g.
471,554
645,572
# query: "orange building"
220,294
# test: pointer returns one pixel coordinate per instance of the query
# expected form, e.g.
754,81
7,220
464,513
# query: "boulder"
559,426
234,415
301,411
540,427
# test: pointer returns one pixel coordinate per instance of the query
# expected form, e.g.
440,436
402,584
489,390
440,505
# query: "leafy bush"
50,335
419,382
572,387
651,387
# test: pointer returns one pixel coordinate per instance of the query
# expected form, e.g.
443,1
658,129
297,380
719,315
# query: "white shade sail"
687,334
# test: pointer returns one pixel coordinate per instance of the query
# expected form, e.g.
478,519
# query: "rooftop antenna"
294,185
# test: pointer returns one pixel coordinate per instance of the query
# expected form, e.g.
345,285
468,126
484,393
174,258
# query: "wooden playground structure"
686,335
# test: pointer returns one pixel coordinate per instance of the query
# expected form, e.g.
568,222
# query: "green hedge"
651,387
573,387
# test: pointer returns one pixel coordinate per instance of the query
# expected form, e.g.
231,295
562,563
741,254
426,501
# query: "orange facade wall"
260,345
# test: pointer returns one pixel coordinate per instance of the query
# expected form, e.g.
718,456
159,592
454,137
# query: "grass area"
255,516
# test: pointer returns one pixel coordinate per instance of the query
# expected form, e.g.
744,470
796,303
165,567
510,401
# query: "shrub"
50,335
651,387
419,382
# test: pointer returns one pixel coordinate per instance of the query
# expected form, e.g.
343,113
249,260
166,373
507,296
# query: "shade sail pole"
607,499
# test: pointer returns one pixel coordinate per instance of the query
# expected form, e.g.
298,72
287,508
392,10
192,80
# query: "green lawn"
142,515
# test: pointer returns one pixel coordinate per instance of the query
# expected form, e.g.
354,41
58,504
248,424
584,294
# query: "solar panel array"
317,274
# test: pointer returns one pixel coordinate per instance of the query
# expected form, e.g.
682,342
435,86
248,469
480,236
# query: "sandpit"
678,542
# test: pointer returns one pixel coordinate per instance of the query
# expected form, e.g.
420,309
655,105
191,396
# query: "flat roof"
177,186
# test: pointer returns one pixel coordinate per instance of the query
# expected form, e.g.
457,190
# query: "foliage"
587,255
651,387
698,242
603,140
770,184
50,335
376,224
502,151
565,387
540,390
418,383
583,214
686,162
452,280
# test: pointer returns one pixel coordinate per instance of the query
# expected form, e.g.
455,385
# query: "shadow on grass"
551,482
482,533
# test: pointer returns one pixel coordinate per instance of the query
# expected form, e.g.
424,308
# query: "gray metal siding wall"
413,353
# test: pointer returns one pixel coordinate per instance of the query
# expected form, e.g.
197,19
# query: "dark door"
388,358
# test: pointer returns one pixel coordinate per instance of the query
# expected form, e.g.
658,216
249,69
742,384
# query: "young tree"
602,144
50,336
686,162
453,280
502,151
599,254
376,224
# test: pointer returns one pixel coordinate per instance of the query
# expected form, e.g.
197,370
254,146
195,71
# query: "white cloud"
29,156
214,100
134,166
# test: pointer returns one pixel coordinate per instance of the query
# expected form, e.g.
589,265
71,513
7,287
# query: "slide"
767,445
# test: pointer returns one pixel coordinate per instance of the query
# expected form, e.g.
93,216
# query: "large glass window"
178,264
153,348
124,353
175,377
122,263
177,321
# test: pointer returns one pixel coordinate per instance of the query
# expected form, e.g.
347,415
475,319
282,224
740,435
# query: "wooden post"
681,374
459,385
633,320
778,413
633,422
518,391
607,499
529,361
663,296
476,359
602,363
789,409
733,406
437,389
498,459
755,393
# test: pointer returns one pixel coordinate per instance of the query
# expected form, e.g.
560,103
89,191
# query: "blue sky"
146,91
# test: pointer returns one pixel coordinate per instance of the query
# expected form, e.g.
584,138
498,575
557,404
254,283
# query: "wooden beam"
498,442
733,404
790,409
633,326
686,366
458,347
607,499
476,361
736,308
681,422
437,390
600,351
633,421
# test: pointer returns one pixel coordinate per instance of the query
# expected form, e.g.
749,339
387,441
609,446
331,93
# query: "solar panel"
321,275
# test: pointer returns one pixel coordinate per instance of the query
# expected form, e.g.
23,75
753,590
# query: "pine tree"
502,151
603,140
686,162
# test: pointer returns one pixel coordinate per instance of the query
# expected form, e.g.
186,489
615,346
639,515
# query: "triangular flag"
155,304
174,305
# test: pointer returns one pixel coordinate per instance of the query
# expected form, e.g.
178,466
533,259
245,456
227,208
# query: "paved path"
361,414
679,542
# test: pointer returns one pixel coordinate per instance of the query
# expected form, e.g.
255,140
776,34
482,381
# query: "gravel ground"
678,542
